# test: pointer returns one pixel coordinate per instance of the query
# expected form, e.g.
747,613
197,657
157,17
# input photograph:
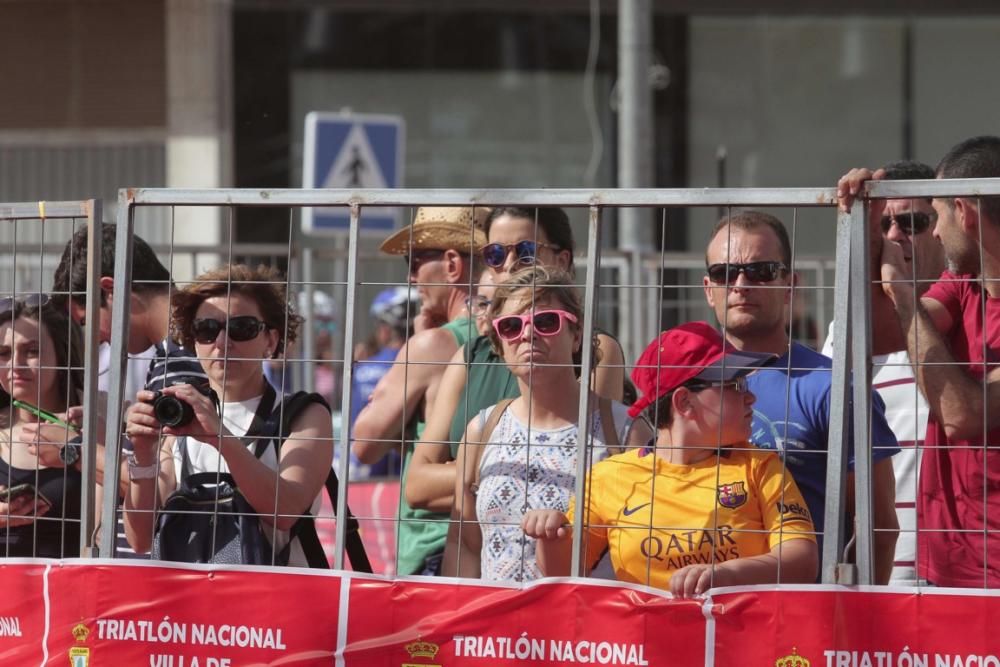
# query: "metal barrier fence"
18,286
851,309
593,202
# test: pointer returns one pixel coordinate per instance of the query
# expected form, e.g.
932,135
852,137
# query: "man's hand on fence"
851,183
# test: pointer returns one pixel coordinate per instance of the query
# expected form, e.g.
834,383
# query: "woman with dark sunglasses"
233,318
521,237
521,454
41,367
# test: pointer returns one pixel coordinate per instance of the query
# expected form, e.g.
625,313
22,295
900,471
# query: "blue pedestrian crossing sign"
353,151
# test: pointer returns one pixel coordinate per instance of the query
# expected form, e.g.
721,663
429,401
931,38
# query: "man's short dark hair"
70,279
753,220
909,170
978,157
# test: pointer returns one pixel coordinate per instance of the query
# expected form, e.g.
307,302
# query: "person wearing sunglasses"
950,333
521,237
41,365
522,453
698,506
748,284
908,223
477,376
439,251
233,318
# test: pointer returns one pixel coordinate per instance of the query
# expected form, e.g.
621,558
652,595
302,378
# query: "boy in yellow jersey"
700,507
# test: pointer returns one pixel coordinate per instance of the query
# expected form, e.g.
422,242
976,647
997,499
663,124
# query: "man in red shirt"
952,334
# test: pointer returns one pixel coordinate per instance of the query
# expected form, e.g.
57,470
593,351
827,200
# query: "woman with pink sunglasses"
522,453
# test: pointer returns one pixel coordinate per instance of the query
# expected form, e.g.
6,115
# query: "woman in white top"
530,457
233,318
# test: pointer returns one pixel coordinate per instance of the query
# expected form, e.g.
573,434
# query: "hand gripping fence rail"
851,314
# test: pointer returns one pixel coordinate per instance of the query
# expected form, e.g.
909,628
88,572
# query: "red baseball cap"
690,351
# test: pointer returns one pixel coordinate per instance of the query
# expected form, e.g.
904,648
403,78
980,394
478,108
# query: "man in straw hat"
439,249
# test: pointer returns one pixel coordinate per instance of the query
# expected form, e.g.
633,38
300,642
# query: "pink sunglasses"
543,322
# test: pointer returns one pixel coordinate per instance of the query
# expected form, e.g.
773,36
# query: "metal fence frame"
357,200
91,211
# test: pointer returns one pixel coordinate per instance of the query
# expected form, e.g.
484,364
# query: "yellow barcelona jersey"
656,517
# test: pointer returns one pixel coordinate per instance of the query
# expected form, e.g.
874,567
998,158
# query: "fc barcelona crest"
732,495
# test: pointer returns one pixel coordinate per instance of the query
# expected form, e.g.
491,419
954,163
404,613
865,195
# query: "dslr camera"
171,410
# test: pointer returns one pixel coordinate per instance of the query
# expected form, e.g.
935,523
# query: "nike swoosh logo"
629,512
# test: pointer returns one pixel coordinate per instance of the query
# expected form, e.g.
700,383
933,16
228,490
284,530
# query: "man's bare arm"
430,479
379,426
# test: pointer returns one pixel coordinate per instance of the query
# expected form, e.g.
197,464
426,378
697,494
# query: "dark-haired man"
910,224
748,285
952,334
148,329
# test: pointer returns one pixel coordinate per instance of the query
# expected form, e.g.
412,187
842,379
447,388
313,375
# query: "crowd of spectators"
704,461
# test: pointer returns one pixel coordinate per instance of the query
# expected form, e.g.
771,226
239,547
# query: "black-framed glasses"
239,329
910,223
738,384
495,254
417,258
477,305
33,301
756,272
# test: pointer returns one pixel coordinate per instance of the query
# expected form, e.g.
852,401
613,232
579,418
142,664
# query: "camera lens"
171,411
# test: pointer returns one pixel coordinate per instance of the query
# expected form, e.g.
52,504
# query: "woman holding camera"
233,318
41,366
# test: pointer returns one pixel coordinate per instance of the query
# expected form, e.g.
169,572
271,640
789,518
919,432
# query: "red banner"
90,613
420,622
844,627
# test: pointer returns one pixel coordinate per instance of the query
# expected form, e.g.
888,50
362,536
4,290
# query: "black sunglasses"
30,301
739,384
418,258
756,272
910,223
495,254
239,329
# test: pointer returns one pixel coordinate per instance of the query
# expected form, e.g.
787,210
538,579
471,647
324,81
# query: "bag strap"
484,438
260,432
608,425
305,527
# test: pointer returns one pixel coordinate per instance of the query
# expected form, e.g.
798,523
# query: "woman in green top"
477,377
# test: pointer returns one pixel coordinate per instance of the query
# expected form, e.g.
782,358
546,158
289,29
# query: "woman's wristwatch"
69,454
136,471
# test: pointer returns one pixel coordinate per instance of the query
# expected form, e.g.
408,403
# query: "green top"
488,381
420,533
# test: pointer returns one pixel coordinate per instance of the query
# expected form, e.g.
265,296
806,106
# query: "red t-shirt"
960,479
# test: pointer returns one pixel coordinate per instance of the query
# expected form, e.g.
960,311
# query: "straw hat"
440,228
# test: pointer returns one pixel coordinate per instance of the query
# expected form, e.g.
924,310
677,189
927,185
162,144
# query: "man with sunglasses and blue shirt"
909,223
749,286
439,249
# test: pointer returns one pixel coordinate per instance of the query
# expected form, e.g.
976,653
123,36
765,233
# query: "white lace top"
522,473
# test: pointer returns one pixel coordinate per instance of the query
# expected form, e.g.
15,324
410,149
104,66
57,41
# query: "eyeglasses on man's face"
756,272
910,222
